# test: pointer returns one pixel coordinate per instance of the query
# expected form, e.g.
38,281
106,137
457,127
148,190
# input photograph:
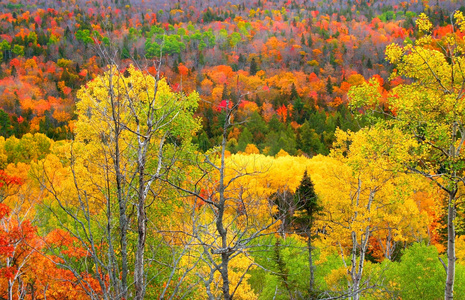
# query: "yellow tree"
131,129
431,111
360,193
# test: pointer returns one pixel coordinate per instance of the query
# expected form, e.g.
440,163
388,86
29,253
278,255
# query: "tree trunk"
219,223
123,223
122,202
451,211
225,275
10,290
139,280
353,274
310,264
449,290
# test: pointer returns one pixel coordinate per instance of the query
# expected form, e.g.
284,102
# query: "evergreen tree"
204,142
369,64
241,61
5,124
244,139
307,211
329,86
294,94
310,41
65,76
253,67
13,71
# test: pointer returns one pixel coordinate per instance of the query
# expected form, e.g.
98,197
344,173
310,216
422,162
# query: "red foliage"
223,104
7,180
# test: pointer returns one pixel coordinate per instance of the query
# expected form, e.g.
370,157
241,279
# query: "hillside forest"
285,149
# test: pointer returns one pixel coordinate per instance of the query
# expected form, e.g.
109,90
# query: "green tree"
308,209
310,140
245,138
5,124
418,274
329,86
253,67
18,50
84,36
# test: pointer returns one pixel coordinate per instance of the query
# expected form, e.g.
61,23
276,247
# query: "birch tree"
131,130
431,111
359,194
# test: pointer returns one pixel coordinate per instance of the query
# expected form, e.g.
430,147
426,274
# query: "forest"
264,149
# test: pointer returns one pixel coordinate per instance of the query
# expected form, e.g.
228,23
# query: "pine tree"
329,86
253,67
310,41
307,211
294,94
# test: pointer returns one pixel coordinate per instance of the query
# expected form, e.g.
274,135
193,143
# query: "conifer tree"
307,211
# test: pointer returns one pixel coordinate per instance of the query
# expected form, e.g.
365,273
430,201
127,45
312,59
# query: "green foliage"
329,86
18,50
84,36
283,139
288,261
164,45
387,16
5,124
28,148
310,140
258,127
253,67
4,45
204,142
244,139
234,39
307,206
419,274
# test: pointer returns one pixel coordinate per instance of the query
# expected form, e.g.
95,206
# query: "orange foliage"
267,111
252,149
183,70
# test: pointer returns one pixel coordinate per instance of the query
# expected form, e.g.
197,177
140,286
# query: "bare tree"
234,225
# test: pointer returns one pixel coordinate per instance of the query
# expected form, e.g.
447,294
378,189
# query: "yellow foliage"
282,153
423,23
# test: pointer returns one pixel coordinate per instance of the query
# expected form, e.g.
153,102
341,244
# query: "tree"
430,112
298,213
308,209
329,86
5,124
17,242
418,260
253,67
232,215
130,131
356,192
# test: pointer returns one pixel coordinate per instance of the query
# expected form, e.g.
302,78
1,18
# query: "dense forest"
298,149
